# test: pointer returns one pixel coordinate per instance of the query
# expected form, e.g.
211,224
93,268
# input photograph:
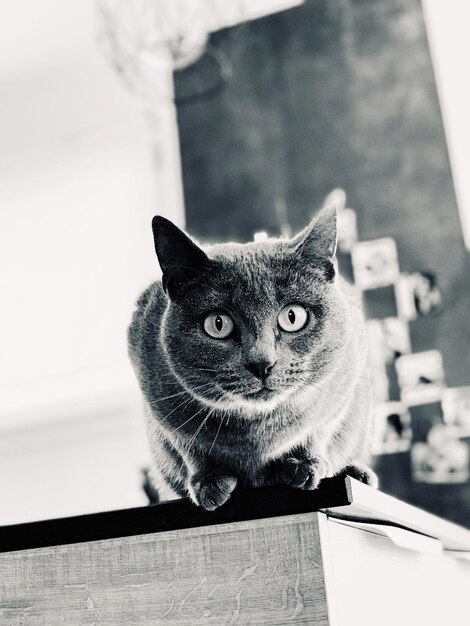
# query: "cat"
252,362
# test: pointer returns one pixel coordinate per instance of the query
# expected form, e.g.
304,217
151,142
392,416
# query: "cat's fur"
211,425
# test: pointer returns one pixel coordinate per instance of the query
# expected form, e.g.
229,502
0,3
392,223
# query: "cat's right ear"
181,260
316,244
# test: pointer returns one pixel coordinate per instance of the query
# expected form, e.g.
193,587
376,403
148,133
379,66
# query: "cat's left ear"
181,260
318,240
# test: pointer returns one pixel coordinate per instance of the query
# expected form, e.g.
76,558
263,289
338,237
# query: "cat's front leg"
210,487
302,470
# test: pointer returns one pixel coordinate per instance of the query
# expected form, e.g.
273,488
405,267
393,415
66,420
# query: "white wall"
79,183
447,25
77,191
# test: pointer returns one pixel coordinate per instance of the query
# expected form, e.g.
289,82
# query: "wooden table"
341,555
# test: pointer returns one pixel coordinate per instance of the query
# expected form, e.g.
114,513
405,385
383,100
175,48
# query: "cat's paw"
211,489
304,473
363,473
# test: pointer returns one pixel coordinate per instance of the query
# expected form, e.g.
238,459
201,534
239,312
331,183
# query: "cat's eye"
292,318
218,325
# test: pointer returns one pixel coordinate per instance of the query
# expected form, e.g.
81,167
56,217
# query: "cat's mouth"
265,393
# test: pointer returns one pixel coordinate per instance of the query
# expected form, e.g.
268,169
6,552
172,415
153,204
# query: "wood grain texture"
266,571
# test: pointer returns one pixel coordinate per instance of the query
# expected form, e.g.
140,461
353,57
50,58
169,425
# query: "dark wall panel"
335,93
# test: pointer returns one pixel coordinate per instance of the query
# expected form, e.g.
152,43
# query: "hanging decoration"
148,40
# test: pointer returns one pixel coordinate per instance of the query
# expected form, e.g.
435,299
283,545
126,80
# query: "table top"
340,496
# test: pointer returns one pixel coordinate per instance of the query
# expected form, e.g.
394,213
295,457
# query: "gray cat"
252,362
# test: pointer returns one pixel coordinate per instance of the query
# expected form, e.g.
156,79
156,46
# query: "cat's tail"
150,491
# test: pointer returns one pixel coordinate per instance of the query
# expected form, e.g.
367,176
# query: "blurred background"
229,118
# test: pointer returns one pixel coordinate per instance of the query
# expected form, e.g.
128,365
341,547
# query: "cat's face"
247,326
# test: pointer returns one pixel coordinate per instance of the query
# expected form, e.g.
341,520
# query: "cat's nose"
261,369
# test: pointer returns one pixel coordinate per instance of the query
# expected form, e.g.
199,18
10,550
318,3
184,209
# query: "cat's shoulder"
148,311
350,292
346,287
152,297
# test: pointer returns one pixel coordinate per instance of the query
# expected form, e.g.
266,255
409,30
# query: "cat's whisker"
187,421
174,395
327,392
351,374
193,438
216,434
181,393
178,406
198,430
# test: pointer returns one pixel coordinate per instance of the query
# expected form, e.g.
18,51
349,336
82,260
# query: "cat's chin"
263,401
261,394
